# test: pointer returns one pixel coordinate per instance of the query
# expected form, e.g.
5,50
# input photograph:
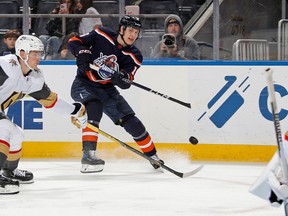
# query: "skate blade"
9,189
91,168
25,182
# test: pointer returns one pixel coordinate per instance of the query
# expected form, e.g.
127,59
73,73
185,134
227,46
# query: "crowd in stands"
9,40
55,40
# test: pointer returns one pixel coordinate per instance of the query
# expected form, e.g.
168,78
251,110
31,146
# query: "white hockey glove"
279,187
79,115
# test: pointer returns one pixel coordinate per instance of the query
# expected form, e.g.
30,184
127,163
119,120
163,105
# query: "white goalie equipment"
271,185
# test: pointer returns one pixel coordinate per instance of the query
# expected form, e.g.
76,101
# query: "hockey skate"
23,176
90,163
155,164
8,186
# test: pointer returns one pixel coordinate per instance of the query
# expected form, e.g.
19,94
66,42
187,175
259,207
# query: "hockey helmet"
130,21
28,43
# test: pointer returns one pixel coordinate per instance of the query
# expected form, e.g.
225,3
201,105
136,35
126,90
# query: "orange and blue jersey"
104,47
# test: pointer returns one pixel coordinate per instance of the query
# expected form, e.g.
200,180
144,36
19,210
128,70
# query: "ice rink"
132,187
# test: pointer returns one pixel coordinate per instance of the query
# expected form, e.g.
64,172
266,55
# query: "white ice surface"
132,187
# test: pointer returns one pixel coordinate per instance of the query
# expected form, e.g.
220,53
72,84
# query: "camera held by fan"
169,40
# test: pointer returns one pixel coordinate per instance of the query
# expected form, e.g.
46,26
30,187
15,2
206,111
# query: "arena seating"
43,7
9,7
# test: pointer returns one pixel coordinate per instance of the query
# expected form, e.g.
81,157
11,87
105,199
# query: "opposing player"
20,76
271,185
117,58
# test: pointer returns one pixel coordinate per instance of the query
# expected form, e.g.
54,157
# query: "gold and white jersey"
13,84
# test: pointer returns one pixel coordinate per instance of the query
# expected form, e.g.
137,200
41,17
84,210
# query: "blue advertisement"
235,100
26,114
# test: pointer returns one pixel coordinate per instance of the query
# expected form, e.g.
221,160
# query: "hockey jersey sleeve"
86,40
50,100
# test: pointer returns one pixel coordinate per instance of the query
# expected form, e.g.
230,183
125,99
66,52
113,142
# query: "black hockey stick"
158,93
94,67
179,174
276,120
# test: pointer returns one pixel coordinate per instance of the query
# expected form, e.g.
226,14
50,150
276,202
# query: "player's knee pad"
93,122
94,111
123,121
134,126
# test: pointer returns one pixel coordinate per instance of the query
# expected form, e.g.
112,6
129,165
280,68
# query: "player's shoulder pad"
9,62
106,30
136,53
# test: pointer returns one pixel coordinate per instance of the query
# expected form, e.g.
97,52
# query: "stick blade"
193,172
180,174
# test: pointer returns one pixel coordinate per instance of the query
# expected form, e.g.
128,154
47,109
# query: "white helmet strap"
26,60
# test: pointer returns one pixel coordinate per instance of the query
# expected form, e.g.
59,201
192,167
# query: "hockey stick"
278,132
94,67
276,120
179,174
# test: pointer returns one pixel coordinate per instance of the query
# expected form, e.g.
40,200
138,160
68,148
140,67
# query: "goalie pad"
280,189
270,185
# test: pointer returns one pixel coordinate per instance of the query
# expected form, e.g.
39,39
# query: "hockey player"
20,76
117,58
271,184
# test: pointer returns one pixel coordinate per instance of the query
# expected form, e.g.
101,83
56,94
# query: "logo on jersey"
13,62
107,64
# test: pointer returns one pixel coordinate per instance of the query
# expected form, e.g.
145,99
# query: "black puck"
193,140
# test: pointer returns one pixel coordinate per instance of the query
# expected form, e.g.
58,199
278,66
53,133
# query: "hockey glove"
79,116
121,79
83,58
278,187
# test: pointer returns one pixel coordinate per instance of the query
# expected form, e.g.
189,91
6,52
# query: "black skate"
8,186
23,176
90,163
156,165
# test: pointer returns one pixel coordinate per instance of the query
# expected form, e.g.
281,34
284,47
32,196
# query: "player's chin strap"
123,40
26,62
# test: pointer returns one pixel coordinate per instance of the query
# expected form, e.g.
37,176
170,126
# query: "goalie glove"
83,58
121,79
278,186
79,115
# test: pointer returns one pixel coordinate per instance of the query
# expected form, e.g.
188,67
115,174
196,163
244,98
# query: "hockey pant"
11,137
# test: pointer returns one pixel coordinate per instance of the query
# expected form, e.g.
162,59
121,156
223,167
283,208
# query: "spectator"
174,43
53,40
9,40
87,24
63,53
